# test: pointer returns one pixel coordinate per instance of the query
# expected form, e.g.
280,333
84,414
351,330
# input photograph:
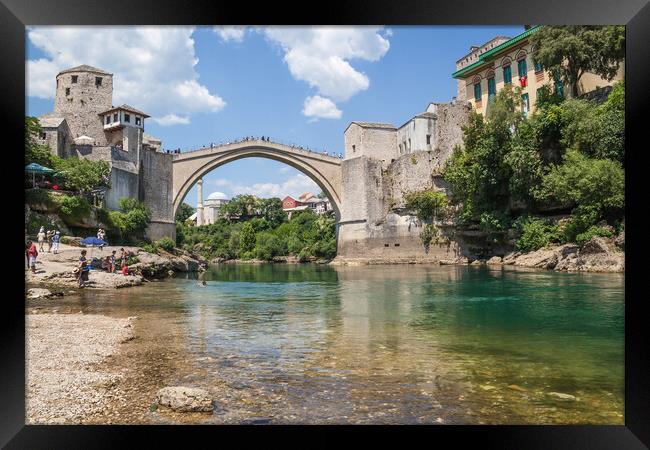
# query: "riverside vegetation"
554,177
254,228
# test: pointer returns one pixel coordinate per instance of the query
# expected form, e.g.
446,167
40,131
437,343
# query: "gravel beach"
64,351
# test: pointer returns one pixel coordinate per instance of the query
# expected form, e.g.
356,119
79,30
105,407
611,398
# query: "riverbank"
598,255
64,383
56,270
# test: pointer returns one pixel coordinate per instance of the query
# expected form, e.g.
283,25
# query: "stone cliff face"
374,223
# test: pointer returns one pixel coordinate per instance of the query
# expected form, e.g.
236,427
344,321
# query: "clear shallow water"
390,344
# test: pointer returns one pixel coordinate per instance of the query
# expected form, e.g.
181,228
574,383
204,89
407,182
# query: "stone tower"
82,93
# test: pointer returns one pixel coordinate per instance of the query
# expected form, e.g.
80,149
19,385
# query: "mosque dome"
217,196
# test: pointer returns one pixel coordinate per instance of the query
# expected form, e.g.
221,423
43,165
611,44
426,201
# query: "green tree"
479,174
241,207
131,220
271,210
184,212
82,175
595,188
247,238
572,50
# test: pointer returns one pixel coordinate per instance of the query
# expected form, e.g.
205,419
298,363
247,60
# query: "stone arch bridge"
324,170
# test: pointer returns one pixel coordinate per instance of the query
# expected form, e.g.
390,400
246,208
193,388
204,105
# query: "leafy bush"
166,244
78,174
131,220
588,184
426,204
428,234
39,197
149,247
583,238
536,233
72,208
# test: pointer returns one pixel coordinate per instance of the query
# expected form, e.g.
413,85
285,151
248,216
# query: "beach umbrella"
35,168
91,242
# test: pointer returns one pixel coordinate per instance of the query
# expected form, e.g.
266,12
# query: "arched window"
522,68
477,88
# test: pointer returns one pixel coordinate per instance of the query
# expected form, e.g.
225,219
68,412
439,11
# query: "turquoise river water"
379,344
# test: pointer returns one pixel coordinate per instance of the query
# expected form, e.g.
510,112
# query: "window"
400,149
492,89
75,78
67,91
428,139
137,120
538,67
127,118
98,81
354,147
507,74
409,143
521,67
108,119
559,87
477,92
525,107
115,117
43,135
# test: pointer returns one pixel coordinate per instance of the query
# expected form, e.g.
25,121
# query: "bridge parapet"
324,156
189,167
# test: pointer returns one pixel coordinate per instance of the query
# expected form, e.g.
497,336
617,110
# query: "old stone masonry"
86,124
366,188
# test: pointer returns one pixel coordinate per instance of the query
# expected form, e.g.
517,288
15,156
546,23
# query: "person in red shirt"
32,253
125,268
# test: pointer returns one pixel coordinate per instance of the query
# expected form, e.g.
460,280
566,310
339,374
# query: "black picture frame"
16,14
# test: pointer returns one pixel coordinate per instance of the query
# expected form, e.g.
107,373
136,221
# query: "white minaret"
199,205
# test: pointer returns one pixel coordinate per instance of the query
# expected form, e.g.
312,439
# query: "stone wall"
374,223
123,184
84,102
449,132
412,136
156,184
377,143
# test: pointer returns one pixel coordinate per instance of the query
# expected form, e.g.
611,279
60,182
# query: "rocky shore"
57,270
598,255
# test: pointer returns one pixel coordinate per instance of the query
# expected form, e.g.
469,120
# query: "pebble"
563,396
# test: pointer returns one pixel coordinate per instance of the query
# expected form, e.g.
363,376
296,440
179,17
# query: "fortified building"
86,124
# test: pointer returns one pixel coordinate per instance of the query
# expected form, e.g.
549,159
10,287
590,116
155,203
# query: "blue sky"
299,85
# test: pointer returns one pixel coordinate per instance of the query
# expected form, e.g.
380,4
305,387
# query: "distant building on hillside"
305,201
207,211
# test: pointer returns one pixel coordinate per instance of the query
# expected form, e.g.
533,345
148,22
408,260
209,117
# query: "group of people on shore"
52,237
108,263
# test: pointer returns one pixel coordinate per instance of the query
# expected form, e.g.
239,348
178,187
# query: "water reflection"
393,344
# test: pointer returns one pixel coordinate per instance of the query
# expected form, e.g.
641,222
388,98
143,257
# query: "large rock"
600,255
510,258
545,258
186,399
495,261
620,240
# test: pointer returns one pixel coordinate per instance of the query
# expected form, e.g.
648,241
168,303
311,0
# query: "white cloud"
230,33
172,119
321,56
294,186
153,67
321,107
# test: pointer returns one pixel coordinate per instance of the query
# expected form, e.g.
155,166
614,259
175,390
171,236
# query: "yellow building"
485,70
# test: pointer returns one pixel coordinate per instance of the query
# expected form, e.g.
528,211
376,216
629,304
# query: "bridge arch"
189,167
